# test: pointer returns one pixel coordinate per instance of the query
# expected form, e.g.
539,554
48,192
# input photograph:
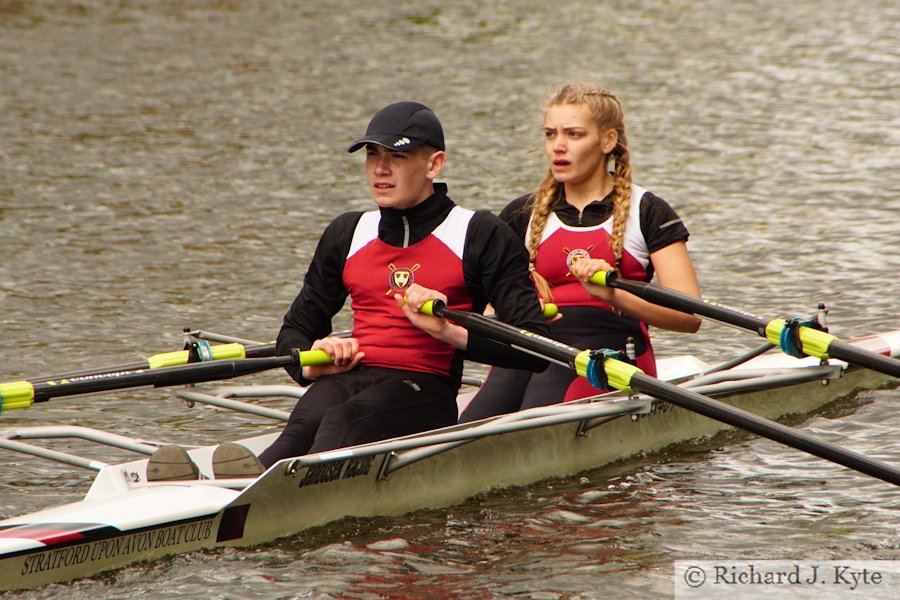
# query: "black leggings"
510,390
367,404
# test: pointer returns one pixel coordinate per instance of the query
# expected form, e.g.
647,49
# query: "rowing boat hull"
123,519
350,485
91,536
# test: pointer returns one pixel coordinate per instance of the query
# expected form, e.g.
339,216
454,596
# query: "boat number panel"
339,469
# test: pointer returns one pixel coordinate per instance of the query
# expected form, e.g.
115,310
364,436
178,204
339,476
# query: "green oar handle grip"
310,358
604,278
15,395
433,308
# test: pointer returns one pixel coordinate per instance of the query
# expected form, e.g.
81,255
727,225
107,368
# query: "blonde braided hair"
607,113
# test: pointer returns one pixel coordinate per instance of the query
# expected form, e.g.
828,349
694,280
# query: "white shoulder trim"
634,242
366,231
452,232
553,223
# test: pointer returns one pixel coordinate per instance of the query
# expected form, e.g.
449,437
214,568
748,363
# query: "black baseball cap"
403,126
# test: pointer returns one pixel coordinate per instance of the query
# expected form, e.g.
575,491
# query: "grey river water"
172,163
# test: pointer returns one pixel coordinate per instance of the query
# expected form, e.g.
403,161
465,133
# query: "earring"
611,165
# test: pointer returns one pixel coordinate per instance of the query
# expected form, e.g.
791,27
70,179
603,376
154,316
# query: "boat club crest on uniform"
401,278
573,256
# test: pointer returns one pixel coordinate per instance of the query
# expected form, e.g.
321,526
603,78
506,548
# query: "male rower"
400,371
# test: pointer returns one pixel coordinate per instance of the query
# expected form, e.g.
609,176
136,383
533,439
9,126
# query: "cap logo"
402,142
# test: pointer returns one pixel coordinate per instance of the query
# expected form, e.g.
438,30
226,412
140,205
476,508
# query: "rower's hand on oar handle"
342,355
592,273
417,307
604,278
411,304
433,307
306,358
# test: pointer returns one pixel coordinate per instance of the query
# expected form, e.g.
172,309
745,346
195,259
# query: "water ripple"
172,164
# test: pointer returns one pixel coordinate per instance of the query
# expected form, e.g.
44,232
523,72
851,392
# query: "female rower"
587,216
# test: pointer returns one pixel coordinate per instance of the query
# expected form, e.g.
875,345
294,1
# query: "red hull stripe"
874,343
51,534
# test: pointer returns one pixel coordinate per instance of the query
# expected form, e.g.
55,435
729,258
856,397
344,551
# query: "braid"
621,197
542,204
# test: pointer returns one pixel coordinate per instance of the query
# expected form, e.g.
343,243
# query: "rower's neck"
580,195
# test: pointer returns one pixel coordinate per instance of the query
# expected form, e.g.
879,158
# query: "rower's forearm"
453,334
653,314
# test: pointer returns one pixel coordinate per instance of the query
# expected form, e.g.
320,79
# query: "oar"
233,347
604,370
791,336
169,359
22,394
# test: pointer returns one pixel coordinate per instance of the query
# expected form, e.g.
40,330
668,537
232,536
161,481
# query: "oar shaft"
166,376
21,394
683,302
764,427
623,376
813,342
260,350
129,367
505,333
857,356
168,359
